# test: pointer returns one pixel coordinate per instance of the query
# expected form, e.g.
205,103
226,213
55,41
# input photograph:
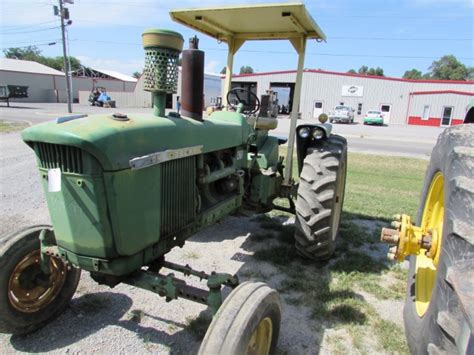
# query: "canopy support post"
300,46
234,45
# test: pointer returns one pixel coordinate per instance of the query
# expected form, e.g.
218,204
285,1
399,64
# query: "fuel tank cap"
120,117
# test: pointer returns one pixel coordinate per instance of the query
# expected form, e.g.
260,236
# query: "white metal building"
403,101
46,84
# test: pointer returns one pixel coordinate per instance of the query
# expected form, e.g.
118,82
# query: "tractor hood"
113,143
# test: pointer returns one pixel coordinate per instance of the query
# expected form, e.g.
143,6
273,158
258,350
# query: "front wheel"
248,322
320,198
30,298
439,300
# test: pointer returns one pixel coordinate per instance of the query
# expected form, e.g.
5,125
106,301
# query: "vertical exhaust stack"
162,49
192,81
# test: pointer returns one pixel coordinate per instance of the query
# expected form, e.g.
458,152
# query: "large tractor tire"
439,308
28,297
248,322
320,198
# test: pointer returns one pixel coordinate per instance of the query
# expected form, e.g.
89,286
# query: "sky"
394,35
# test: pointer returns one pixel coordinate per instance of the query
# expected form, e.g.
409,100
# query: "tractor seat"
266,123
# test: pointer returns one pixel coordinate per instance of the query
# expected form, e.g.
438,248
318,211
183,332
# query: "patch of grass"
357,261
380,187
261,236
338,345
377,188
10,126
198,326
391,336
135,315
191,255
277,255
253,275
92,303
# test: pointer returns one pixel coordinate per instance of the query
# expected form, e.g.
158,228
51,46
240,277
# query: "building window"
318,104
426,113
359,109
447,115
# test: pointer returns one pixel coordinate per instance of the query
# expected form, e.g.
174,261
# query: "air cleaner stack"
162,49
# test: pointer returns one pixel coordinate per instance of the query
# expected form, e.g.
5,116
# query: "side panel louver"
67,158
178,195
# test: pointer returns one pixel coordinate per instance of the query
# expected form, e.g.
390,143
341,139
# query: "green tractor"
124,189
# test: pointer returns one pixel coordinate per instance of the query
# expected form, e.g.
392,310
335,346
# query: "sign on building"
352,90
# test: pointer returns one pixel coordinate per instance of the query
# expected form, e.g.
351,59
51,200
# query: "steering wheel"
233,100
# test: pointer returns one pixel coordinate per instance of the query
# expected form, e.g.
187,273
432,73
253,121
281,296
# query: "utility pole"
64,13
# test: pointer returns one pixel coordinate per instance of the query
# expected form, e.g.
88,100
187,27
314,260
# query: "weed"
135,315
198,326
92,303
10,126
191,255
337,343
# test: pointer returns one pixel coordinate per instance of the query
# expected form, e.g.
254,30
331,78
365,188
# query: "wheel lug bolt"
390,256
396,224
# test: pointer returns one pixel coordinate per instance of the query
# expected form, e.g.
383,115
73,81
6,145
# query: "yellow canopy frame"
237,24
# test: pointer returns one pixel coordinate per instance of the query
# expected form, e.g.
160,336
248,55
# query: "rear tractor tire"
30,298
320,198
439,307
248,322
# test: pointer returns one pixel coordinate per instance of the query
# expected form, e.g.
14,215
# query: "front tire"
248,322
435,313
320,198
28,297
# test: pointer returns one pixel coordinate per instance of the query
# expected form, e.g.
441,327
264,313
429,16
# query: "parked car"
342,113
374,117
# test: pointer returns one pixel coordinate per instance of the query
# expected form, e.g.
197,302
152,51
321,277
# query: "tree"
413,74
365,70
136,74
26,53
223,70
34,54
246,70
448,67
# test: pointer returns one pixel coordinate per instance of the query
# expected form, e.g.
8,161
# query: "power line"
286,52
30,44
19,27
31,31
36,45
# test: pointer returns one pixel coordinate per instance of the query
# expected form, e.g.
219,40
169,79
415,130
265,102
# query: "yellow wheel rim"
25,293
261,339
432,220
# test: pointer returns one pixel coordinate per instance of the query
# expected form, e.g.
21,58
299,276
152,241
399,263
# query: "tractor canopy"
251,22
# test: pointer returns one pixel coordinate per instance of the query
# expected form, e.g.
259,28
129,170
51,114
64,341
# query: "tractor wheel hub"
408,239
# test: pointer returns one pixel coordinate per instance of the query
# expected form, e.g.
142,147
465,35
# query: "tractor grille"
178,195
67,158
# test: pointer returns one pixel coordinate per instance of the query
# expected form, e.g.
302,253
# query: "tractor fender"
302,144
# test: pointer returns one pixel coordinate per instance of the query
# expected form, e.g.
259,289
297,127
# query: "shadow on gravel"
88,314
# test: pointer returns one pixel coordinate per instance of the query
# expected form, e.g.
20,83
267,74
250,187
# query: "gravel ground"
130,320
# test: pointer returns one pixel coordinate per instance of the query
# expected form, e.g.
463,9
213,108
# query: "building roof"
27,66
437,92
251,22
467,82
117,75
